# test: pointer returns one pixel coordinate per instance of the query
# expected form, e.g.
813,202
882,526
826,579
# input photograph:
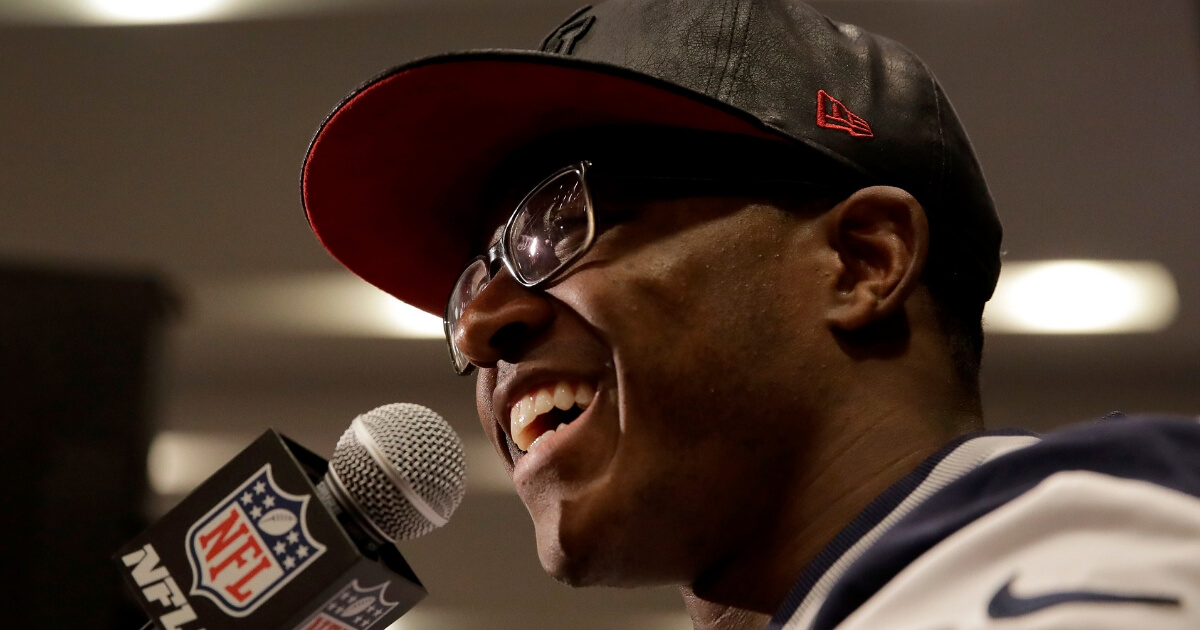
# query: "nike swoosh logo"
1005,605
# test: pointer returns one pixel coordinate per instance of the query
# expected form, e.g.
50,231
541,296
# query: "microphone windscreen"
404,467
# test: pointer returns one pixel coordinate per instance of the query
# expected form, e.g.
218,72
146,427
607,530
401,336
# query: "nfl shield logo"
352,608
250,545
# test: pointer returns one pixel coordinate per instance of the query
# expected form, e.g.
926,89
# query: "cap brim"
392,179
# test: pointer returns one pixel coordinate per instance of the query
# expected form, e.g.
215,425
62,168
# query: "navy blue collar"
870,518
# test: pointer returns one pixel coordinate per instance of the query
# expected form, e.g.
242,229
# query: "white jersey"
1095,527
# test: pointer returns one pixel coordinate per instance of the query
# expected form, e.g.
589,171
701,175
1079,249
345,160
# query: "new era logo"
832,114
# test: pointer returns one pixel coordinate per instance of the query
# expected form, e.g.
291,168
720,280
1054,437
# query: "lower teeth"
540,438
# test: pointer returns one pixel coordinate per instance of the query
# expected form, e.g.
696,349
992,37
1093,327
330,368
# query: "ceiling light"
1082,297
156,11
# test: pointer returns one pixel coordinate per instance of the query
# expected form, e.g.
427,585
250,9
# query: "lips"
539,412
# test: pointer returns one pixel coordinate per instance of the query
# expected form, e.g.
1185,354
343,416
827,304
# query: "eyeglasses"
555,224
551,228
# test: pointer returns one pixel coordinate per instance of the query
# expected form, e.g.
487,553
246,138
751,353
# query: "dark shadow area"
78,357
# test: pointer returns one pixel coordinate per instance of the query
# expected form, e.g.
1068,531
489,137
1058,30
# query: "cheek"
681,305
682,321
708,322
661,291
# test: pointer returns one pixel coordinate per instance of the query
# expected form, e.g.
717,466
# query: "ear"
881,238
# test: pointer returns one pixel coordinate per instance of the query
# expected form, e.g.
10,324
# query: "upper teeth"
563,395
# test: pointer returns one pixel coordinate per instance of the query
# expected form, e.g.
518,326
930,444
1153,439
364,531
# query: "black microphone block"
254,548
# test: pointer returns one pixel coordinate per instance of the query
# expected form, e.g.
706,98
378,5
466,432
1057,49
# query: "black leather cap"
391,182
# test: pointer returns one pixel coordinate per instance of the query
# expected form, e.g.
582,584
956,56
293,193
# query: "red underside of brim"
391,181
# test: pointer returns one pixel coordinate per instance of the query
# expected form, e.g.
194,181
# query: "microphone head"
403,467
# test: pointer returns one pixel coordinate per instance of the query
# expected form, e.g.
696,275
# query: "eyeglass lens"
549,228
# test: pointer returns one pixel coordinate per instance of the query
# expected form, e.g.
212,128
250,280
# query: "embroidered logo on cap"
832,114
562,41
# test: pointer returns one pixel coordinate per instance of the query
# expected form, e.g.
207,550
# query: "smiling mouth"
543,410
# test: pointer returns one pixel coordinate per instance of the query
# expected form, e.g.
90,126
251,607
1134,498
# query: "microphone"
397,473
250,548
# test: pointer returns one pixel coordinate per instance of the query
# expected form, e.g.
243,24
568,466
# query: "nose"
502,322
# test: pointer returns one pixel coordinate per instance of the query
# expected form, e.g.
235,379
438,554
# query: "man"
721,267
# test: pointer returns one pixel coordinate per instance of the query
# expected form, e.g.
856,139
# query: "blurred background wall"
162,152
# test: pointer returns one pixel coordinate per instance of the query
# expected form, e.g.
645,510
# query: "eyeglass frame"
500,252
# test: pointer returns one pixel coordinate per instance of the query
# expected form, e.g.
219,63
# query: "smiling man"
721,267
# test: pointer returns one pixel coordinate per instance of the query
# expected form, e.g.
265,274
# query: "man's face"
693,321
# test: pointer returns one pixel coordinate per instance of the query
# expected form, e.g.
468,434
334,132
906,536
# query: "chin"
565,572
579,572
594,539
570,564
592,558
